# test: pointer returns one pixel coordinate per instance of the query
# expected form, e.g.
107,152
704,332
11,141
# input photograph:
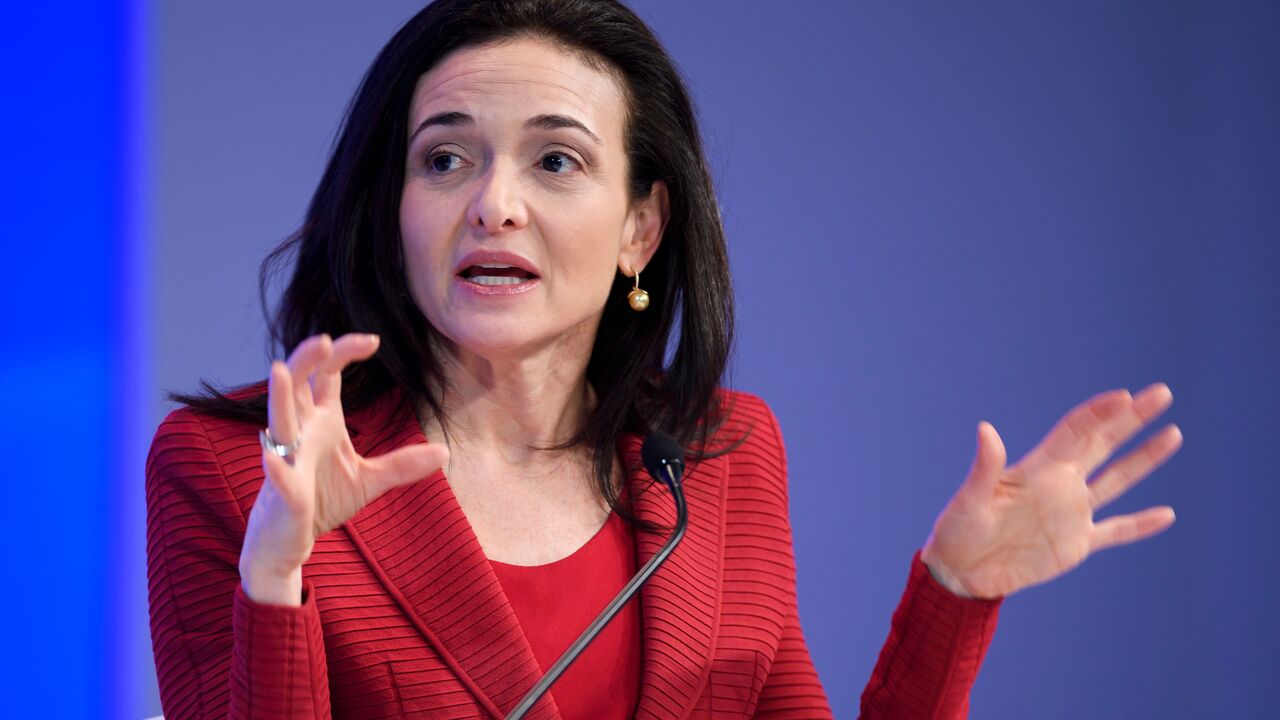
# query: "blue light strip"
128,648
59,137
74,360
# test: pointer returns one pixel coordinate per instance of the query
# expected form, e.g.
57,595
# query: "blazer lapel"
423,550
420,545
681,602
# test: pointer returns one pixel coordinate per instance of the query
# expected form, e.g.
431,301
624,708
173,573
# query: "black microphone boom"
664,459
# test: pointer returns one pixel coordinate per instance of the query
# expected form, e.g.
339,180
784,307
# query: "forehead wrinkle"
578,95
502,68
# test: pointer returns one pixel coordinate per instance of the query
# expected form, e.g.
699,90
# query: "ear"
646,221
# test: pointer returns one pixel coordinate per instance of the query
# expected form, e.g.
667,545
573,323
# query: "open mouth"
493,274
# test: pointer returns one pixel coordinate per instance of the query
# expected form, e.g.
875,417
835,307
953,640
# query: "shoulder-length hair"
349,273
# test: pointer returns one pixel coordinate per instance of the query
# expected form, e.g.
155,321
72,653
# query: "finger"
1122,474
1083,436
1152,400
988,460
326,381
282,479
1124,529
1146,406
403,466
302,361
282,423
282,414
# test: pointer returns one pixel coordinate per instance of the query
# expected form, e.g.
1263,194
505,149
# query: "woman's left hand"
1009,528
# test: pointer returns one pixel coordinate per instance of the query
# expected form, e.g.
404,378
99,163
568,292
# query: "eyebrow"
542,122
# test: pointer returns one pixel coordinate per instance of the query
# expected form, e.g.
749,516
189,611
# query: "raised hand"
1010,528
324,482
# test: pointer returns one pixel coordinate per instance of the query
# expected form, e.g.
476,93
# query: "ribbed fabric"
404,617
264,686
935,647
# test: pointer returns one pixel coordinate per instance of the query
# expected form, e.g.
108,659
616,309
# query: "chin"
490,336
496,337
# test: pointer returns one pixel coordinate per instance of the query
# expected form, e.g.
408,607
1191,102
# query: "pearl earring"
638,299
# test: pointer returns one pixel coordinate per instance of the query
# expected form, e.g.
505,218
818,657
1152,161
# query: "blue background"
938,213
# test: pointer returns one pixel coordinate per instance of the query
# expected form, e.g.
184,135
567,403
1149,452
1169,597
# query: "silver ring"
270,445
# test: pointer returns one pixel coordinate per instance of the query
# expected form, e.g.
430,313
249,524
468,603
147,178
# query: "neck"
508,406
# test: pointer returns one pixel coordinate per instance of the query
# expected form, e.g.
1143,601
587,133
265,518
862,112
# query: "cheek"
420,236
590,255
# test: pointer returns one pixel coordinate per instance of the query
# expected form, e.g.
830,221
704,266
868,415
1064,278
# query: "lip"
496,257
491,290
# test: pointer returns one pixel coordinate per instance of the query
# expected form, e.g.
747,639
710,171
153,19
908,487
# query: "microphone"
664,459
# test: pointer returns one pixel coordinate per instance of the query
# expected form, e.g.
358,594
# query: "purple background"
938,213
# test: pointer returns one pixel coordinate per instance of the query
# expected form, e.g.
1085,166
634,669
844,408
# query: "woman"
515,215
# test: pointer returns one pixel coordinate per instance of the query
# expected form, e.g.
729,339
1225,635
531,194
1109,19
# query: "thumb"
988,459
403,466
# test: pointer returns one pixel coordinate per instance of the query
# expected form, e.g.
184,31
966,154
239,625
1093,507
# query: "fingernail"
373,337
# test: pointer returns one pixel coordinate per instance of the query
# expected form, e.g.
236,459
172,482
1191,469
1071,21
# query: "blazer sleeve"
218,654
930,660
926,668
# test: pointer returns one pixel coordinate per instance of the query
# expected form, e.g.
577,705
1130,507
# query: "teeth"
495,280
494,266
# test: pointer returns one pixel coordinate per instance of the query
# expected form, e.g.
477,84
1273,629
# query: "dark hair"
350,276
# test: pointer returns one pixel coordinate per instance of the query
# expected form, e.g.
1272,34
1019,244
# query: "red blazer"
402,615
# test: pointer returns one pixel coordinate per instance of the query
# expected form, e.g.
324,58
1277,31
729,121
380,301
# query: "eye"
557,162
443,162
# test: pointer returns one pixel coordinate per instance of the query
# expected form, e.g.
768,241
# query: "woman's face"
515,214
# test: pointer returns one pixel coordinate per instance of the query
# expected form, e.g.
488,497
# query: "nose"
497,205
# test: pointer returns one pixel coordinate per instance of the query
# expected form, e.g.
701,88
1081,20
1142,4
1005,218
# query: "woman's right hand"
327,483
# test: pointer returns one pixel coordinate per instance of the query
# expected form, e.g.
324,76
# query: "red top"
555,603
